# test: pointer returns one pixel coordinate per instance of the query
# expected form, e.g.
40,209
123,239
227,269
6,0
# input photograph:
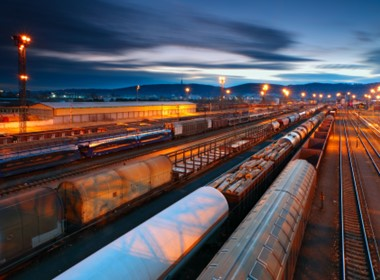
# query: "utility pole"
22,42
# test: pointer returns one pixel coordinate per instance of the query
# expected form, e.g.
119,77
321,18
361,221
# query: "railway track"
359,255
370,140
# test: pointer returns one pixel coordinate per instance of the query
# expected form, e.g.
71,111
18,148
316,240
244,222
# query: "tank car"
151,250
28,220
266,244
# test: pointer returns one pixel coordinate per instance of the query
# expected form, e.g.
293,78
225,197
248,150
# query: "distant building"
81,112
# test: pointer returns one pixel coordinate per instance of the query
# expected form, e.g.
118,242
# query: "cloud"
363,36
343,66
320,77
88,37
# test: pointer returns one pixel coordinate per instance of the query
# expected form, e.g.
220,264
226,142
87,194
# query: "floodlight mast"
22,41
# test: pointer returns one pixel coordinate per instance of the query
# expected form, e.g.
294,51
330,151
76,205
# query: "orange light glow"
25,38
24,77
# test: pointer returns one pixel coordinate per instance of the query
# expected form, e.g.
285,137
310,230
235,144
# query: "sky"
119,43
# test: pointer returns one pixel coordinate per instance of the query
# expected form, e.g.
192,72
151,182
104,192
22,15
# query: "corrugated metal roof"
63,105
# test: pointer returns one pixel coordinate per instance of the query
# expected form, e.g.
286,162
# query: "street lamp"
286,93
303,94
187,90
265,88
222,81
137,92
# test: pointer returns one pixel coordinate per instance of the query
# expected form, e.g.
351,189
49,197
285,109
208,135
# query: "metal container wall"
27,220
136,177
89,197
152,249
275,125
284,121
160,171
302,131
291,137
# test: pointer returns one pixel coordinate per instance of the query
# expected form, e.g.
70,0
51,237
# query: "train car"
294,117
87,198
28,220
17,158
106,142
266,244
190,127
284,121
154,136
218,123
154,248
6,139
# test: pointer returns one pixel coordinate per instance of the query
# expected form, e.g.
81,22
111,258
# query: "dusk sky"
117,43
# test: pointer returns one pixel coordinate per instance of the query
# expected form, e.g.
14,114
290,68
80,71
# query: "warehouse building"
80,112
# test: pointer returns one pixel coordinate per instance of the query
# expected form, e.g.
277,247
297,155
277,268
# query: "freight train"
156,246
18,158
34,217
240,181
266,244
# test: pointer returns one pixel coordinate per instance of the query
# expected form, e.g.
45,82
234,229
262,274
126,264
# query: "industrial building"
80,112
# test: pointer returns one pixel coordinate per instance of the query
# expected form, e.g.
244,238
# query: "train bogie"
29,219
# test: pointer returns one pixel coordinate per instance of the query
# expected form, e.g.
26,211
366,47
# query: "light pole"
222,81
22,42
